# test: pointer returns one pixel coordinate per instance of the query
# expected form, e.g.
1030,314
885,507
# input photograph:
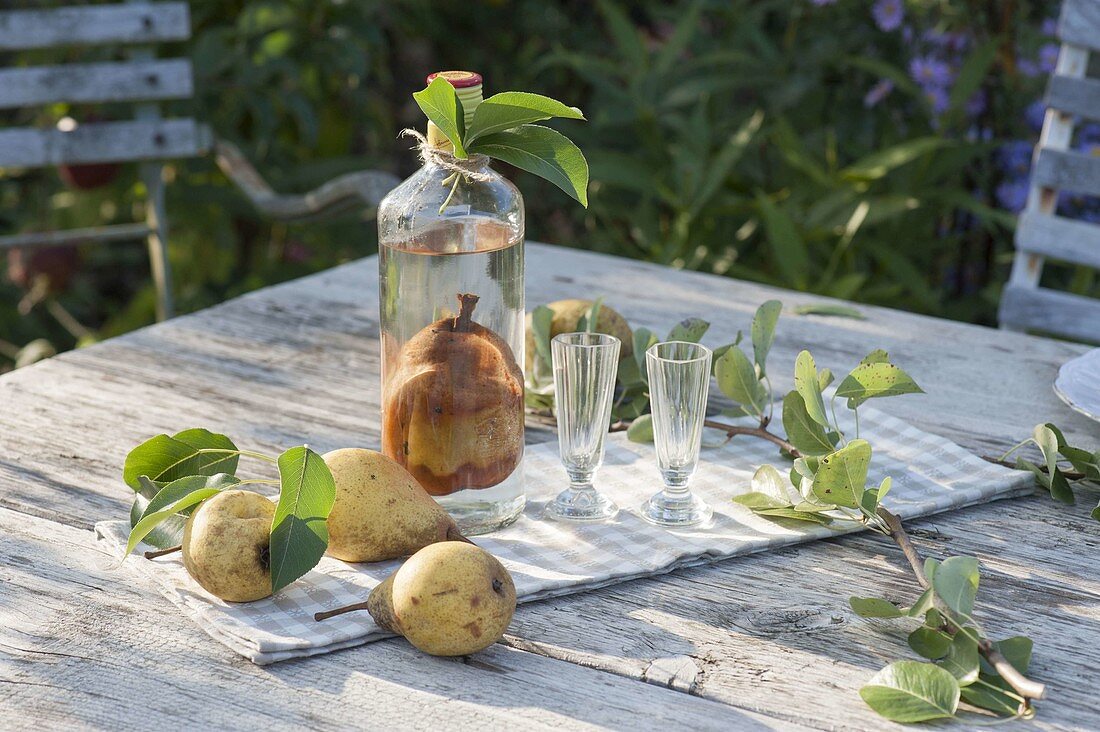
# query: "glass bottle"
452,326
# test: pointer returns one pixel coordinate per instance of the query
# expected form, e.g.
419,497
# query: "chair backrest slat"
1075,96
1049,311
116,81
93,25
1080,24
1066,240
1067,171
103,142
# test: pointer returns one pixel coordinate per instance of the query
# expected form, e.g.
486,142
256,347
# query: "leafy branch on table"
826,484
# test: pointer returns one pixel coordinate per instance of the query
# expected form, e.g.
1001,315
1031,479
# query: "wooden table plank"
83,646
300,362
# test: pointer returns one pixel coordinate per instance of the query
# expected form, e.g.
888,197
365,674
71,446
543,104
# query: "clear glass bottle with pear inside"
452,324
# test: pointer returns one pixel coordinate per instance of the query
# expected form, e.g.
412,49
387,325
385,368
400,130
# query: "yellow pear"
448,599
226,544
567,313
380,511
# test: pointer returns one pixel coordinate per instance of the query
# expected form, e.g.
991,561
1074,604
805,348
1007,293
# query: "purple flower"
877,93
1035,114
1050,27
937,99
930,72
1027,67
888,14
975,105
1015,157
1048,57
1012,194
1089,134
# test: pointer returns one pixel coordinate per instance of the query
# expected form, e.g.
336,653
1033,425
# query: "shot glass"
679,377
585,365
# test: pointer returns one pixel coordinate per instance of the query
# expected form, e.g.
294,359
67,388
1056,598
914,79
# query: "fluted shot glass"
679,378
585,365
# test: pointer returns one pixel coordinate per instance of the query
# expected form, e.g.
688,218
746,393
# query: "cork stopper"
467,85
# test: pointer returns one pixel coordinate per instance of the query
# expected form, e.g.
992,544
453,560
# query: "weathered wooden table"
765,641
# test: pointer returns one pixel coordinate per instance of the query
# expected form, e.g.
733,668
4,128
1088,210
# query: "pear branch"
1022,685
761,432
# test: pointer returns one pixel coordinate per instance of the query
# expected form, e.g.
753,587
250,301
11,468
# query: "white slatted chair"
147,139
1041,233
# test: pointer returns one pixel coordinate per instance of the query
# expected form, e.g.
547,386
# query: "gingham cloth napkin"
549,558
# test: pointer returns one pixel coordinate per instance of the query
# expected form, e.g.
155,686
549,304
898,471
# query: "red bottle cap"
458,79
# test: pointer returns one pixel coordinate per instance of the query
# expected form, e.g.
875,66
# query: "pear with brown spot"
448,599
380,511
226,545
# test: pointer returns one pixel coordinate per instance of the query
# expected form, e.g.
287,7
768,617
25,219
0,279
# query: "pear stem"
162,552
467,301
325,615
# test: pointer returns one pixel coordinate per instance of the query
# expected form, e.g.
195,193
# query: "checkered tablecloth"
548,558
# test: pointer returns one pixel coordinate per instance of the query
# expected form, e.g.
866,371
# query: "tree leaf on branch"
737,379
842,475
164,459
802,431
956,583
808,384
962,658
151,520
299,532
876,356
439,102
1048,443
542,151
690,330
506,110
911,691
872,380
763,332
929,642
177,489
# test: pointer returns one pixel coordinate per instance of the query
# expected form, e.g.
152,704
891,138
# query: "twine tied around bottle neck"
473,167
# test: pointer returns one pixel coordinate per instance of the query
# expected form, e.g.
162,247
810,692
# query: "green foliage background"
729,136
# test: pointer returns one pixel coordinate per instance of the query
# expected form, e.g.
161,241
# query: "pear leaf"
737,379
542,151
911,691
808,384
956,583
842,476
871,380
440,104
507,110
191,452
763,332
802,431
299,530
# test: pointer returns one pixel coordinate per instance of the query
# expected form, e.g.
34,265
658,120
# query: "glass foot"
685,510
581,505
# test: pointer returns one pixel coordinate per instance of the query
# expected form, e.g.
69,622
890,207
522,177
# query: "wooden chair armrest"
352,190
